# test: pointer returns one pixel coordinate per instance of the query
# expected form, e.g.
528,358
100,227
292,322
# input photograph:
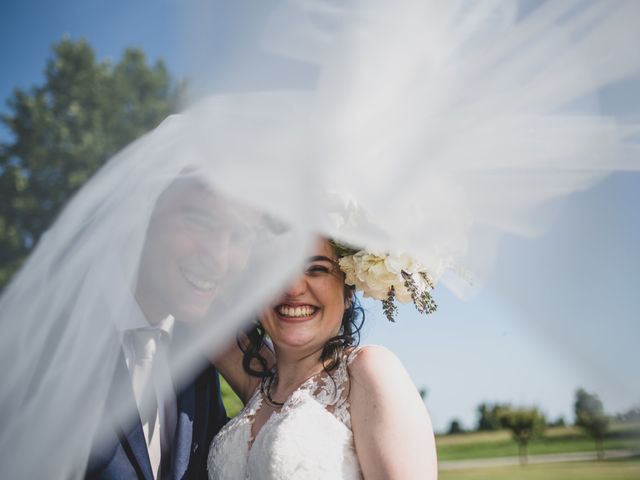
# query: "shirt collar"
132,318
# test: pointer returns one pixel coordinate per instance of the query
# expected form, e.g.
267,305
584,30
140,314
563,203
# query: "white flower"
374,274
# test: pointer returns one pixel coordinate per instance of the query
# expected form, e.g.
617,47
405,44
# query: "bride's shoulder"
368,352
383,398
374,366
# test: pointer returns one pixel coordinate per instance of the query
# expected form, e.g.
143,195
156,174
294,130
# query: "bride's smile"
296,312
311,309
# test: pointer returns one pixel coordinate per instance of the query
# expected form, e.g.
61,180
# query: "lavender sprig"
422,300
389,307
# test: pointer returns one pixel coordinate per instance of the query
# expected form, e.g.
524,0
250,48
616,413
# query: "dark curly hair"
332,352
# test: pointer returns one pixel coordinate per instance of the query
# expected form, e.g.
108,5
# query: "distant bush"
455,427
558,422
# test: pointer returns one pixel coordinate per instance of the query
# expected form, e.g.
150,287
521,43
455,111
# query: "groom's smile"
203,285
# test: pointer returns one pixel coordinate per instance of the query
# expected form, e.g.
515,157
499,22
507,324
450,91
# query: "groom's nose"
214,253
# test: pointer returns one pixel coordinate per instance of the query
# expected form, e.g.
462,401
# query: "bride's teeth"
287,311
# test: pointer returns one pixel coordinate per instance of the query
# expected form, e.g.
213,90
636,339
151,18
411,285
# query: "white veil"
436,126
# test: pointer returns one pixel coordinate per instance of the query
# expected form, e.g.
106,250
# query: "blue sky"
558,312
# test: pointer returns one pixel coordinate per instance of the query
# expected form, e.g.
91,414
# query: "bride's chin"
293,342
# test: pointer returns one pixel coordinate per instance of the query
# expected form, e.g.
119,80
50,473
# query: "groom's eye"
200,220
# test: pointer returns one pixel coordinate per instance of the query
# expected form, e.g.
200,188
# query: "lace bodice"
308,438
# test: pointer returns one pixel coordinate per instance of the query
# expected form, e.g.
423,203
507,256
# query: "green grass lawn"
555,440
627,469
232,403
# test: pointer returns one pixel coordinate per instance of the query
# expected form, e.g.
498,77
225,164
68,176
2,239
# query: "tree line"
63,130
528,423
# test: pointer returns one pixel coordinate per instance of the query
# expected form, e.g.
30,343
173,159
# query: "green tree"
489,416
65,129
525,424
591,418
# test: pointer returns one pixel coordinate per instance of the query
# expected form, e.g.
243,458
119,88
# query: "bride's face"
311,309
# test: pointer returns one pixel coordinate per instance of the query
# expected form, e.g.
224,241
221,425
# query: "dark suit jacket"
124,454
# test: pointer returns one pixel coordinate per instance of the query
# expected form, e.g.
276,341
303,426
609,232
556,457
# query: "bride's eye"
317,269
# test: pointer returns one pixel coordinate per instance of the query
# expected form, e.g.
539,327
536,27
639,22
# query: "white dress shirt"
158,434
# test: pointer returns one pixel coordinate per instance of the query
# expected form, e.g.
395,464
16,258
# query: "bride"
326,408
458,119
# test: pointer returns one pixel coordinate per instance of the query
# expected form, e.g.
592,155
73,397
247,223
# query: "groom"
190,247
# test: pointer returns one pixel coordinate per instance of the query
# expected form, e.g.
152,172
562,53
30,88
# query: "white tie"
151,370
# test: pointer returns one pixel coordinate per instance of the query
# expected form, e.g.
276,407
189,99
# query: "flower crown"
387,277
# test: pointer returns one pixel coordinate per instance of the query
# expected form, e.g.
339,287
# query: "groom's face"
194,242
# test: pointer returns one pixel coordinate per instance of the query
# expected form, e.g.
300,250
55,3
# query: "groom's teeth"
304,311
196,282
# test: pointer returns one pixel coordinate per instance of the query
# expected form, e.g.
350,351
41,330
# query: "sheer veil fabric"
430,127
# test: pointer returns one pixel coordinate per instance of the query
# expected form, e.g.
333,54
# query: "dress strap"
353,354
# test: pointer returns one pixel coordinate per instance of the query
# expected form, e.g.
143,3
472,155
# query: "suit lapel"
183,439
134,444
130,432
194,428
185,406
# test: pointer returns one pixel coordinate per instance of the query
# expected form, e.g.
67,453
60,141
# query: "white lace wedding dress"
309,438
